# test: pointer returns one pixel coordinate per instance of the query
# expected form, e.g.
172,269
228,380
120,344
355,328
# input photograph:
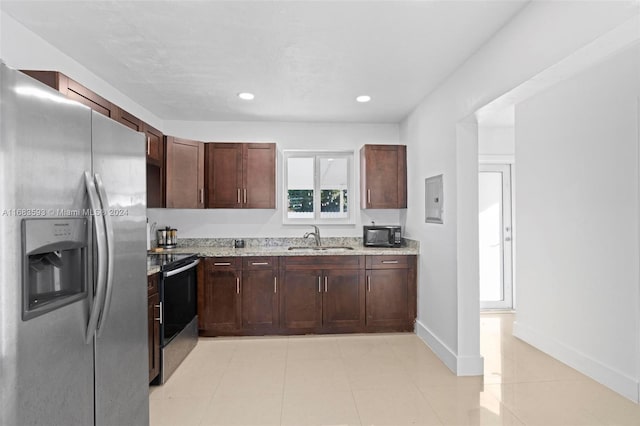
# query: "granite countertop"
223,247
152,269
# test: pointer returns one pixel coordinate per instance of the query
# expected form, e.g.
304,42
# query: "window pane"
300,173
333,183
333,203
316,185
300,203
300,187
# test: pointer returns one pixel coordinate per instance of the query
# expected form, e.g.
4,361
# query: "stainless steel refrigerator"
73,302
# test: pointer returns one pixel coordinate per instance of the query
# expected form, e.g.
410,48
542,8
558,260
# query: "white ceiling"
304,60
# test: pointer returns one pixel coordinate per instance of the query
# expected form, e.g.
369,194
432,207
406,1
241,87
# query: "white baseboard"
460,365
609,377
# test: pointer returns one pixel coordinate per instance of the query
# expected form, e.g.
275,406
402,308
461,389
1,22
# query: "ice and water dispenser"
54,264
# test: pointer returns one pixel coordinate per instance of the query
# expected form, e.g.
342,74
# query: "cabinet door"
129,120
224,175
155,145
220,306
185,173
155,167
301,300
383,180
343,299
259,176
153,312
259,300
79,93
388,301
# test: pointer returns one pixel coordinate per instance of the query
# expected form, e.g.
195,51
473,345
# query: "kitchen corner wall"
439,135
577,267
230,223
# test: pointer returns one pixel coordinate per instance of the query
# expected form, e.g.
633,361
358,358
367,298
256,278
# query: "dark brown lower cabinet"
387,297
153,321
306,294
301,300
219,296
238,296
327,300
259,292
390,295
343,300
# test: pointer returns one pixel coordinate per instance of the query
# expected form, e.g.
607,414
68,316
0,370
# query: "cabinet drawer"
387,262
223,263
259,263
152,284
322,262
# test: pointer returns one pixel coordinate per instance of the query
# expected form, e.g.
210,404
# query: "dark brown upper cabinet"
129,120
241,175
184,173
155,167
154,149
75,91
383,177
155,145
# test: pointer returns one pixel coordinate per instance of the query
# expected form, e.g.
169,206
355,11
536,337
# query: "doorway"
495,236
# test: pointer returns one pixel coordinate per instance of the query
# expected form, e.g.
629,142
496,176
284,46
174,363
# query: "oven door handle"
184,268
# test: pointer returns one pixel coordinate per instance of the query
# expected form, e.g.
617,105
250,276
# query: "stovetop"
167,261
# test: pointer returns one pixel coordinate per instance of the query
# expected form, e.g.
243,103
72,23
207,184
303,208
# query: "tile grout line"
284,380
353,396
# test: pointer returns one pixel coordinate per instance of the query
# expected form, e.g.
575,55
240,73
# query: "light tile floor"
381,379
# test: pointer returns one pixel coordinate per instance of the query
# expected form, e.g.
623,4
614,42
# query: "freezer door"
121,355
46,369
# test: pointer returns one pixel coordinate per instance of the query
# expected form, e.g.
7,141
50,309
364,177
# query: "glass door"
495,236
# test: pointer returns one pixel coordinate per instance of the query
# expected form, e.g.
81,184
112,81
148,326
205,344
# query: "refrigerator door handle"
108,226
98,225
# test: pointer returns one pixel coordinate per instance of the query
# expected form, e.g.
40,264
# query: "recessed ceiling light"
363,98
246,96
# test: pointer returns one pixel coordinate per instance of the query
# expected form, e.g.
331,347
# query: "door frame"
504,164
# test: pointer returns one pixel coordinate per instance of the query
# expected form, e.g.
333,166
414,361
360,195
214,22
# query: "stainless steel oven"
178,310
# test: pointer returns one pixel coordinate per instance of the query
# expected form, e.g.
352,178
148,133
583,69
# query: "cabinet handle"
222,264
369,283
319,284
160,313
245,195
326,281
148,145
238,195
238,285
392,262
275,284
201,195
368,196
259,263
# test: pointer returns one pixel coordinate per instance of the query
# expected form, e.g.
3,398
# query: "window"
317,186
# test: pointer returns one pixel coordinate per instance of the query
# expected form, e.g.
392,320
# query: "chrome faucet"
316,235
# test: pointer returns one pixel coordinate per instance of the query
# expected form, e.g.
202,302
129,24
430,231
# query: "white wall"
496,141
577,154
540,36
229,223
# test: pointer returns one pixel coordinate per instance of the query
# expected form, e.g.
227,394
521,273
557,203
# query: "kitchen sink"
315,248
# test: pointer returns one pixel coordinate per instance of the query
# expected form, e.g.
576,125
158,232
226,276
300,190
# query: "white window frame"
316,219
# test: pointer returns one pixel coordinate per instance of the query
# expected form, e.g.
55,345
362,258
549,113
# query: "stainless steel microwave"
382,236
